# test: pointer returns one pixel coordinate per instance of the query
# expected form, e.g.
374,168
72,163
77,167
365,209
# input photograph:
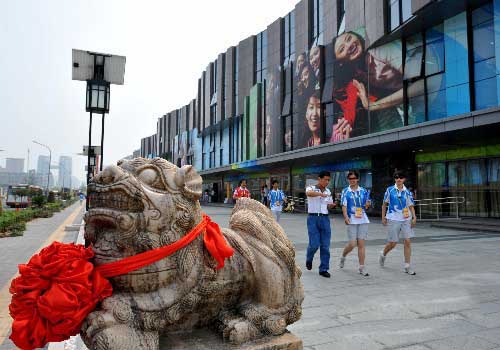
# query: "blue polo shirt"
352,199
276,196
398,200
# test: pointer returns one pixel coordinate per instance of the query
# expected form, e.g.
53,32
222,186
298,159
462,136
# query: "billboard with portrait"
348,117
367,90
308,82
273,112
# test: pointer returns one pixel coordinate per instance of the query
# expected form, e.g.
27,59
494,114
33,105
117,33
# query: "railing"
438,203
298,200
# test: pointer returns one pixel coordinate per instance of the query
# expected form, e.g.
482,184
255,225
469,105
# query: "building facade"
65,172
14,165
370,85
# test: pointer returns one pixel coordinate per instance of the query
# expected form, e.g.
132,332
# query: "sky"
167,45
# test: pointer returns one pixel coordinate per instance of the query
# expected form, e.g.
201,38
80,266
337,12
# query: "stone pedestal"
207,340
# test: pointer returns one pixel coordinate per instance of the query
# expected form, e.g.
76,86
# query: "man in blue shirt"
398,213
276,198
355,200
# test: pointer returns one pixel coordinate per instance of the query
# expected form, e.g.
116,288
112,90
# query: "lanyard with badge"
277,201
359,210
406,212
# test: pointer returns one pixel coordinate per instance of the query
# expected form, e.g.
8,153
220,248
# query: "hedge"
13,223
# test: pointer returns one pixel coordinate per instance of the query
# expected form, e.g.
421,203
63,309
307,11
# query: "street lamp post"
50,160
99,70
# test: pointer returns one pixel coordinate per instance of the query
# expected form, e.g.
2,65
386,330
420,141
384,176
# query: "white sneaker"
381,259
409,271
362,271
342,262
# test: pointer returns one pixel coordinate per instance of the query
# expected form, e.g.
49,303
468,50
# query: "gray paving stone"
462,343
492,335
416,347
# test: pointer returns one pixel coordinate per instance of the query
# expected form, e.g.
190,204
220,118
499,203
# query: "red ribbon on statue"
59,286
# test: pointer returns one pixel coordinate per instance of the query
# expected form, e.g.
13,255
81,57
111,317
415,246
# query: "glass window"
484,41
414,53
483,36
289,38
485,69
494,171
317,22
437,105
476,172
457,174
482,14
406,10
434,50
486,93
340,16
399,12
394,14
416,102
261,55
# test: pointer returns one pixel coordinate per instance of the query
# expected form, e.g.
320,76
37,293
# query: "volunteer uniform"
355,201
276,198
398,213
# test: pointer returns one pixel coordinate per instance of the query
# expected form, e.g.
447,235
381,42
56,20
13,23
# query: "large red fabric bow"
59,286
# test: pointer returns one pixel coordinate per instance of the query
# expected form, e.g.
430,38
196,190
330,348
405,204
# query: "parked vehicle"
19,196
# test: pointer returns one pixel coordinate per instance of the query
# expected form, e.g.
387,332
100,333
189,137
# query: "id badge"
359,212
406,213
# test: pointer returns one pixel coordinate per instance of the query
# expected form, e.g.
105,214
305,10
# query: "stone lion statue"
142,204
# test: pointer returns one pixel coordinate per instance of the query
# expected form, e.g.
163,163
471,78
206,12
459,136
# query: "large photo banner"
350,80
308,82
367,89
273,112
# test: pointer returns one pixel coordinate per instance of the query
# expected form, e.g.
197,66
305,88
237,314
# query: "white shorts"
399,229
357,231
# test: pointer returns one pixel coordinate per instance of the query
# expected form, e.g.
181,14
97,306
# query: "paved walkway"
452,303
17,250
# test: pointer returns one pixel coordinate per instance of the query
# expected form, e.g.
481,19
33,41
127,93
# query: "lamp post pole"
50,160
102,143
88,150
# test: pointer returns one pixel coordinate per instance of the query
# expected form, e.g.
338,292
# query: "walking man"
355,200
276,199
241,190
319,200
398,213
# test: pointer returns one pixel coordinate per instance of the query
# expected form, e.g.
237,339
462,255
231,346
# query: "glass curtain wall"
476,180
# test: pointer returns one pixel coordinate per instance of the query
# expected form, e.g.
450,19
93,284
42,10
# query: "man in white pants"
276,197
398,213
355,200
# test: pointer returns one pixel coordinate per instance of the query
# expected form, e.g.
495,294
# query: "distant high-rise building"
15,165
42,170
65,171
42,166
